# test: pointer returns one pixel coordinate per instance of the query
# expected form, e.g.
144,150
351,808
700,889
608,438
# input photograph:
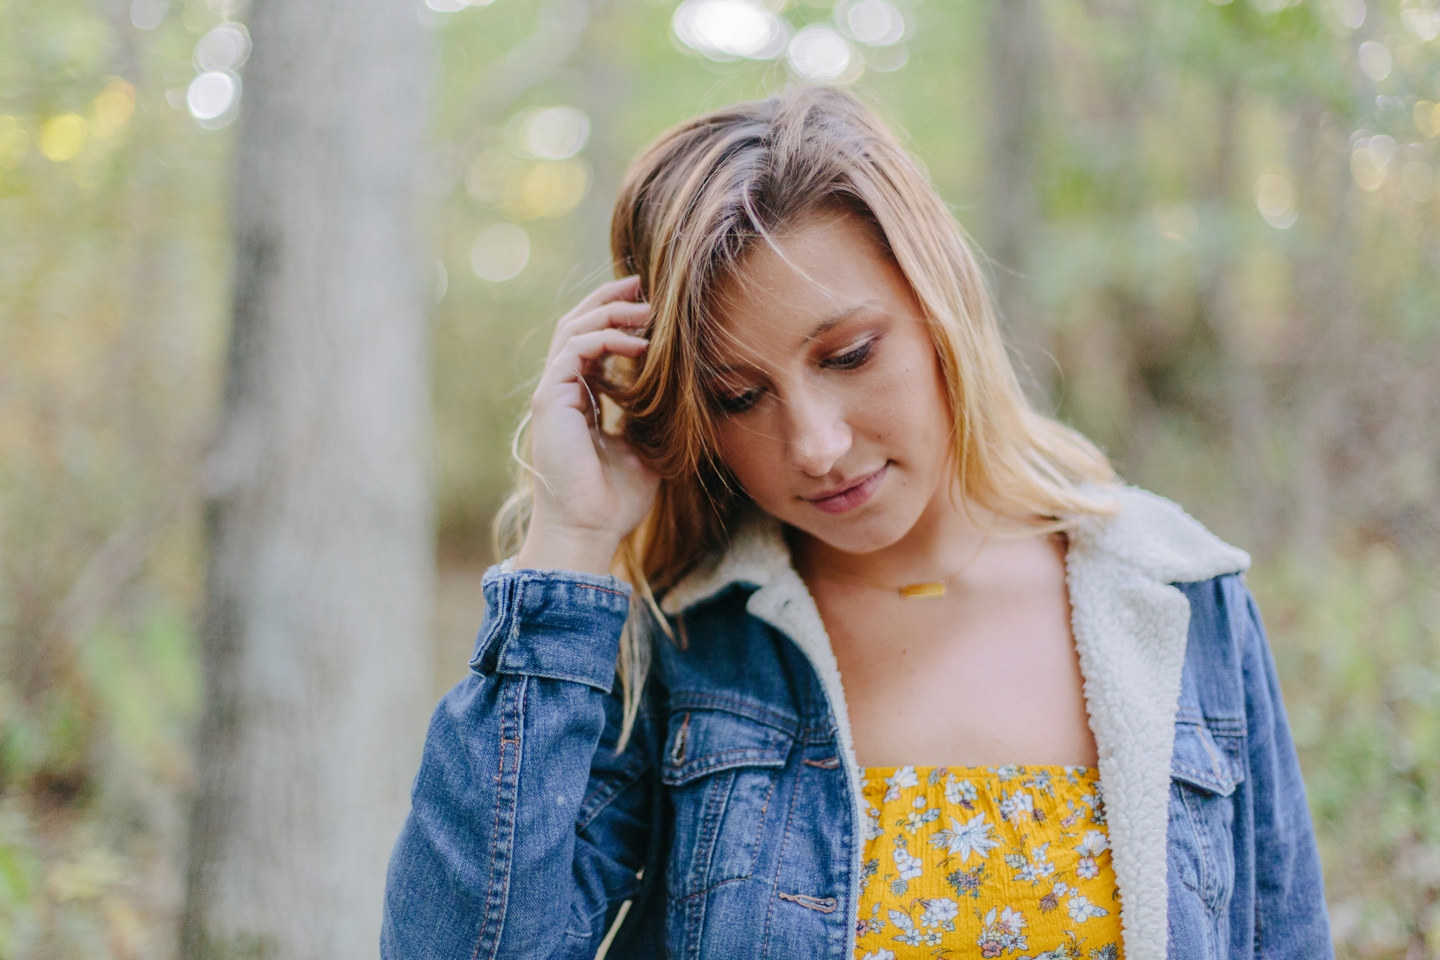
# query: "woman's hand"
591,489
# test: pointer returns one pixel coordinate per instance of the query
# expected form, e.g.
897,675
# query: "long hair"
691,207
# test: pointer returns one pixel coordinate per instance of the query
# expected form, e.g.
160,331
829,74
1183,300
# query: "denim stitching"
715,762
500,852
782,722
779,863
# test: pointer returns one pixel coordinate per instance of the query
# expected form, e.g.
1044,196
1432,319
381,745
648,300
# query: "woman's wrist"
555,548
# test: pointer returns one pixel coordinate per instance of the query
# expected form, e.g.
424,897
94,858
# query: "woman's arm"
1290,916
527,830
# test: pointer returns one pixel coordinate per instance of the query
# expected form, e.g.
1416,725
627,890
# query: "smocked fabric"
987,862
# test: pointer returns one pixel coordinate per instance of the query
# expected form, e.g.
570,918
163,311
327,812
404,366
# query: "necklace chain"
924,590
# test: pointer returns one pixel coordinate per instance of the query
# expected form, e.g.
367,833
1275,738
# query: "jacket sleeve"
1290,915
526,829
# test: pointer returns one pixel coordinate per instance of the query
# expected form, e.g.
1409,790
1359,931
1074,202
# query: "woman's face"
834,414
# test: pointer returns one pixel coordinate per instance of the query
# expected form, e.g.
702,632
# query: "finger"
580,353
619,313
626,288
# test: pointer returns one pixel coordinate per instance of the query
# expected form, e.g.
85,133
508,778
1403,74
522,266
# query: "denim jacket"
732,825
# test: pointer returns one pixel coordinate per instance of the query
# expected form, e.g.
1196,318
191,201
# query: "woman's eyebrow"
835,319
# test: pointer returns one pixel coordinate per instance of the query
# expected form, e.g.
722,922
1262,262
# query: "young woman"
885,636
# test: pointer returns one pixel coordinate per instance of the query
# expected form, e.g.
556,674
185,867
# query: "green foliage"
1359,654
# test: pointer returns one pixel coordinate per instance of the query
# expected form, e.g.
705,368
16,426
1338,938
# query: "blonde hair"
691,207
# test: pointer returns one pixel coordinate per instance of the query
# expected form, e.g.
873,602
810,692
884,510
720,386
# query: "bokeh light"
1375,60
455,6
549,133
1351,13
1427,118
1422,22
212,97
111,108
1369,160
226,47
877,23
730,29
62,136
1275,199
820,53
553,189
148,14
500,252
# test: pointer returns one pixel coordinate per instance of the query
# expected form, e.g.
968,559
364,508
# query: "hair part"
693,204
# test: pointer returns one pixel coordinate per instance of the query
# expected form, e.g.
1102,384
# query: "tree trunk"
319,513
1019,71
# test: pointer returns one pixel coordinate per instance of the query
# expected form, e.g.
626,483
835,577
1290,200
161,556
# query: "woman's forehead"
811,280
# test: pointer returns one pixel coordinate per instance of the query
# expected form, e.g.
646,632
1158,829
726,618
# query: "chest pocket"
1205,769
720,766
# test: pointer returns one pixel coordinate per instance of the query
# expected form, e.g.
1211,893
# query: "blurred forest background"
1213,230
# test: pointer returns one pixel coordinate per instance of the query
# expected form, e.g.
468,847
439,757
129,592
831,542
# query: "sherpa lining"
1130,627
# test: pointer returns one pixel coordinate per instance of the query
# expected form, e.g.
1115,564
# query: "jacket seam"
510,732
782,722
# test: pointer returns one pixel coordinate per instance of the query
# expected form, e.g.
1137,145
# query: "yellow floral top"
1010,862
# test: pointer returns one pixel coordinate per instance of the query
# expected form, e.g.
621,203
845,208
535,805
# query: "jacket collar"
1130,627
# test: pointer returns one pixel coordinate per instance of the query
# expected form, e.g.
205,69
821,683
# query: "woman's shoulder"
1154,536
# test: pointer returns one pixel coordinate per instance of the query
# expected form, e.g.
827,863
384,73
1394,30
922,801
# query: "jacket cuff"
551,623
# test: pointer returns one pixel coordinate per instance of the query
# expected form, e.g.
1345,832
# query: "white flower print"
939,913
875,923
918,817
1017,806
1051,900
902,778
1081,909
960,792
1034,869
881,954
974,836
1040,780
906,862
873,829
1094,843
1007,772
1091,847
1003,935
912,935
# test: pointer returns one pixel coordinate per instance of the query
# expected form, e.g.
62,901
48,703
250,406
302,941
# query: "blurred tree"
1018,60
319,508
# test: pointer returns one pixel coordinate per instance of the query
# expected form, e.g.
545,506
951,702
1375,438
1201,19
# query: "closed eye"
851,359
739,402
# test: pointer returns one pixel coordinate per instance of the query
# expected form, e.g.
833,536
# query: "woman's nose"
819,435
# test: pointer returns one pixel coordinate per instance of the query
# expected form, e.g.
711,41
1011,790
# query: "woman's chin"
863,534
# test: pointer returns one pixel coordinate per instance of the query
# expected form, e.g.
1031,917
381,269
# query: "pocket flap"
703,741
1199,761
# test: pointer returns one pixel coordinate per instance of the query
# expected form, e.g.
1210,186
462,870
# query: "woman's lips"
852,496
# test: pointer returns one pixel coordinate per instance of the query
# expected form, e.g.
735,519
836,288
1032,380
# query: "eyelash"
853,360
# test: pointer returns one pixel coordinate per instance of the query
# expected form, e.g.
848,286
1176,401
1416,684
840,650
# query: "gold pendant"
922,591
